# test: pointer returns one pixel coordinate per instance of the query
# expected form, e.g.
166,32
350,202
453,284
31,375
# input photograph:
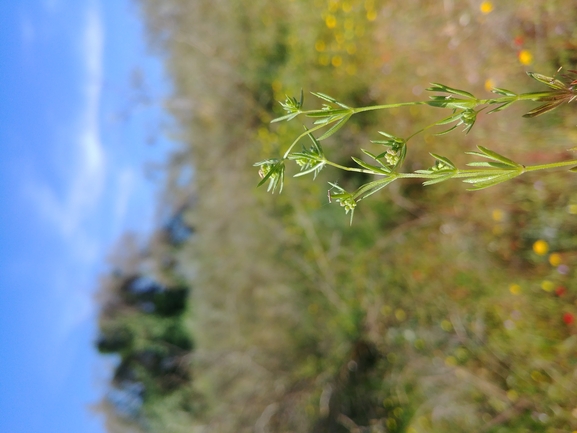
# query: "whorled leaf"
490,154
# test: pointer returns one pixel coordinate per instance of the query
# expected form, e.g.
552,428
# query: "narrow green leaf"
335,127
462,104
376,158
487,153
497,156
443,159
372,168
324,97
330,99
437,87
440,102
328,119
500,107
497,180
504,92
475,153
449,119
573,169
310,170
372,187
264,179
460,92
480,179
322,121
386,135
479,164
447,131
438,179
502,165
316,145
372,155
489,164
287,117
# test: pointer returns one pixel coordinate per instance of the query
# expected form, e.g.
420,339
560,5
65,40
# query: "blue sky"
75,136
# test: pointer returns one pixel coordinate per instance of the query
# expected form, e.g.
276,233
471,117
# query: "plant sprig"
386,166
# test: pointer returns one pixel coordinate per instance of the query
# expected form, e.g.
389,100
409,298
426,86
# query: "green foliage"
464,104
142,322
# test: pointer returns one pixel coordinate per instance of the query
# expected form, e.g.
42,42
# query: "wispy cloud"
69,208
71,202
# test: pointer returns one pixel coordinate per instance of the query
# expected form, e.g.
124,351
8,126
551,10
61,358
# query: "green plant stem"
460,173
550,165
532,96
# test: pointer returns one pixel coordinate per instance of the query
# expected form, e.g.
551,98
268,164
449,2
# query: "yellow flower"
486,7
331,21
515,289
525,57
541,247
555,259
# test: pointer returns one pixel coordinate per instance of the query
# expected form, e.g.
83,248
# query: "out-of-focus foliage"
438,310
144,306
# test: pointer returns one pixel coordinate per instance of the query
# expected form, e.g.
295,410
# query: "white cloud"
70,207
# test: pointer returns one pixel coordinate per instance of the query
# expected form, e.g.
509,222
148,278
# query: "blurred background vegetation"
438,310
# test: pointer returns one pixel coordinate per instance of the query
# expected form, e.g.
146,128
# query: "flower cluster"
273,171
344,198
